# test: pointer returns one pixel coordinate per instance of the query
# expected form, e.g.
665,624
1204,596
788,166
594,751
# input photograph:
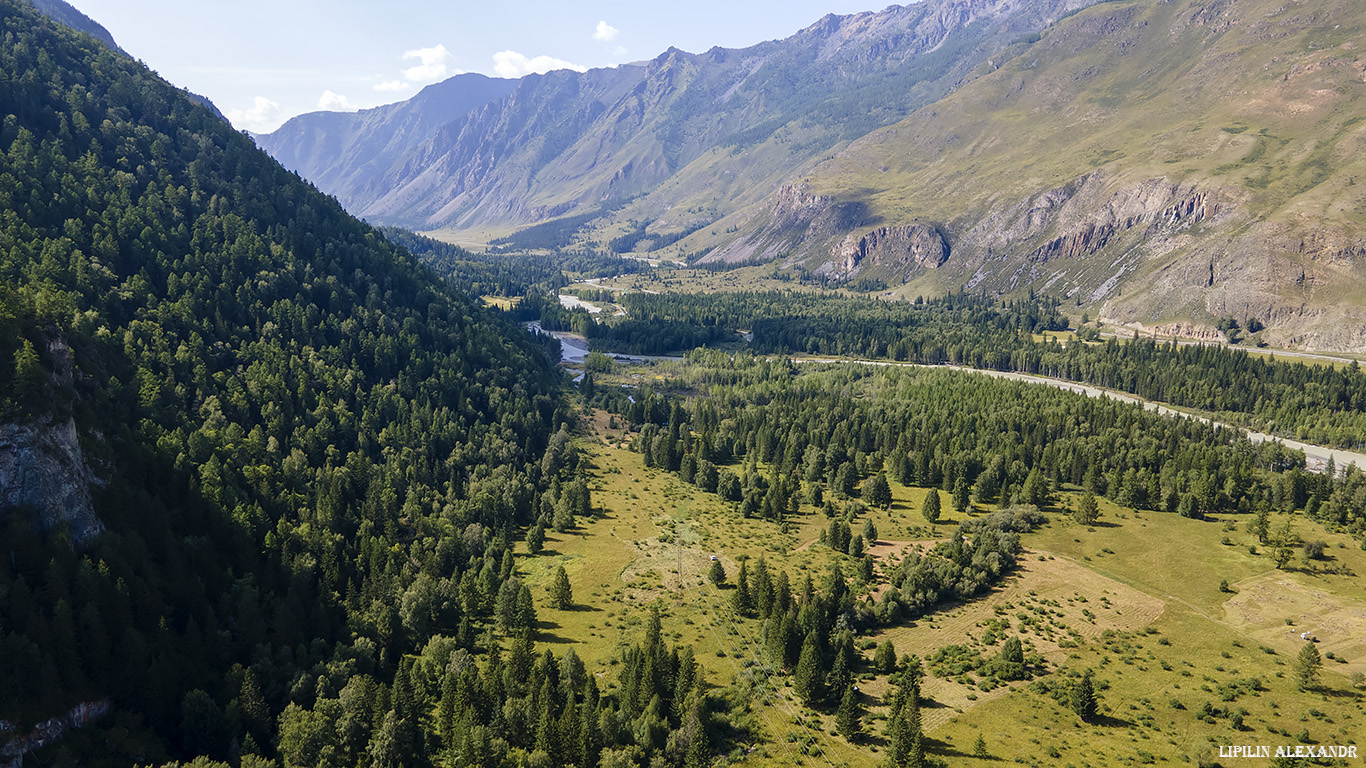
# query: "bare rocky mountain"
711,129
345,153
1165,164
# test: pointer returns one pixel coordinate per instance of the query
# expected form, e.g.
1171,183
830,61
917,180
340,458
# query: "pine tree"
979,747
849,715
1308,665
1083,698
930,509
561,595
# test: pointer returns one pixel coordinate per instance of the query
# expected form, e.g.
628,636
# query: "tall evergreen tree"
848,718
561,594
1308,667
877,492
961,498
1083,698
930,508
1088,511
809,677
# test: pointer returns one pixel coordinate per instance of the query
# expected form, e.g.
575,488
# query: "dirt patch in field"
1262,604
1051,603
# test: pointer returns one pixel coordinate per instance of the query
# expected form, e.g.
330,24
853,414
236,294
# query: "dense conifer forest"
1315,403
313,457
767,436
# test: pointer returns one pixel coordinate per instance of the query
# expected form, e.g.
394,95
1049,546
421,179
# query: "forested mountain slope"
267,416
1162,163
64,13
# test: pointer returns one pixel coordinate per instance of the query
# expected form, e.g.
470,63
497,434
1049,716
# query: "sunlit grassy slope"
1131,116
1135,598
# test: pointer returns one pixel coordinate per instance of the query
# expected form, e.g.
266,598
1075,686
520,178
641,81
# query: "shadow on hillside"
543,636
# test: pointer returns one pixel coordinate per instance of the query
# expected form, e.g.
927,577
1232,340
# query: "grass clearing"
1183,666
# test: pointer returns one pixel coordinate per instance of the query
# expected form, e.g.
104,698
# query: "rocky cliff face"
899,251
43,469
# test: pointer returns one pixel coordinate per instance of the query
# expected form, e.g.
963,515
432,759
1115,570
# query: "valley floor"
1184,667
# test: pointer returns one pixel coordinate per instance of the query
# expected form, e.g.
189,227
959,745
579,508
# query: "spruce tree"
535,539
1308,665
1088,512
885,657
742,601
930,509
808,677
849,715
878,493
561,594
869,532
961,495
1083,698
717,574
28,372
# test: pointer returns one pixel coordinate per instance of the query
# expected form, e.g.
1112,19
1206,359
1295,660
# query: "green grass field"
1135,598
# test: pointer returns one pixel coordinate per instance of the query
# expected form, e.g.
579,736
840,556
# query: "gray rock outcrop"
42,468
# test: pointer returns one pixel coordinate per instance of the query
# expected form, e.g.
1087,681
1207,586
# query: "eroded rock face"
43,468
900,249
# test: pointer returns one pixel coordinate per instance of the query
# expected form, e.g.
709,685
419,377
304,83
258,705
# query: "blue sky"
263,61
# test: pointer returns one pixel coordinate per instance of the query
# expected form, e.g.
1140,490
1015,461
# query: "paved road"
1317,455
1262,352
576,349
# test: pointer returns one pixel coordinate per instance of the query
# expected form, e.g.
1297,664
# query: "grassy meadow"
1184,667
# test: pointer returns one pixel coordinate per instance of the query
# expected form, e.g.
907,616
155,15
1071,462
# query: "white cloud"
263,116
435,65
392,85
514,64
335,102
605,32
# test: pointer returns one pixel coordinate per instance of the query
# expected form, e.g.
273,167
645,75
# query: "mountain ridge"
329,148
1198,189
568,141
